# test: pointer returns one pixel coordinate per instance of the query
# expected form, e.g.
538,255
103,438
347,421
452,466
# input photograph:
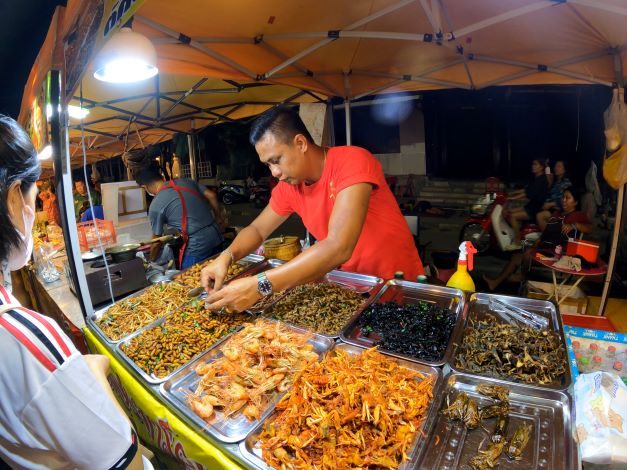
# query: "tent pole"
542,68
413,78
614,248
328,39
618,223
191,145
347,112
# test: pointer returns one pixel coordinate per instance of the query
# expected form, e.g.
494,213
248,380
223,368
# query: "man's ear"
301,142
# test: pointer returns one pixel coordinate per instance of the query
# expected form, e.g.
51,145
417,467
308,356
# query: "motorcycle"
487,228
260,195
230,193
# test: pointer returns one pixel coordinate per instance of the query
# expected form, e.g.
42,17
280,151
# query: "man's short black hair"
147,176
281,121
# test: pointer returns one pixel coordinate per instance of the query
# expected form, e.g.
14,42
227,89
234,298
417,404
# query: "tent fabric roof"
223,51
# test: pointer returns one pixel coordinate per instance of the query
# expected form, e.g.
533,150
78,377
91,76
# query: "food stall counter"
155,423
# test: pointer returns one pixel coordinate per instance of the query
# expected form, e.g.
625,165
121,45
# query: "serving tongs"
357,289
529,318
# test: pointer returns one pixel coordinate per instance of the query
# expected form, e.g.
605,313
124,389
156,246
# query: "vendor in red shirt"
344,201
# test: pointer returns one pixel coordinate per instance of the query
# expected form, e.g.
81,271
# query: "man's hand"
567,228
213,275
236,296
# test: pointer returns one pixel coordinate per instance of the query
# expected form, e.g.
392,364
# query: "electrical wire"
91,204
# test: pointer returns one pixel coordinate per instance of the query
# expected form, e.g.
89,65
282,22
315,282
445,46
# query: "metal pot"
128,251
124,252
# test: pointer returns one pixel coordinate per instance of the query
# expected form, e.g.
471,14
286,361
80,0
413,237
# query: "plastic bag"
615,118
601,418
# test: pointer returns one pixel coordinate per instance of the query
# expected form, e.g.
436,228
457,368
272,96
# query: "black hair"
543,163
282,121
148,176
18,162
575,191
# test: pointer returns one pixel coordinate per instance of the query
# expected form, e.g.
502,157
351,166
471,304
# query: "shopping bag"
615,118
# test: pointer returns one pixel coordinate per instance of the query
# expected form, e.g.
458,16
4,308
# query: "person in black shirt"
536,193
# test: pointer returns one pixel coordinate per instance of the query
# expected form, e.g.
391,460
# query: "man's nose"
276,171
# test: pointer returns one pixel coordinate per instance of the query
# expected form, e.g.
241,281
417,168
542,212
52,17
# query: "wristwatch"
263,284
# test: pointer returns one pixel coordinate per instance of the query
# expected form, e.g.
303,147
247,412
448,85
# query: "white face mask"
20,254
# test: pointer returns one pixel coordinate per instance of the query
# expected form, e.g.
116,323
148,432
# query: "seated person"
554,201
574,222
81,200
87,214
536,192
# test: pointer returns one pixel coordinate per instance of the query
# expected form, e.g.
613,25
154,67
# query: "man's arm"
155,248
246,241
345,225
212,197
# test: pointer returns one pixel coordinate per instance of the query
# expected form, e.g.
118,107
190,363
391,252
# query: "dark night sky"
24,27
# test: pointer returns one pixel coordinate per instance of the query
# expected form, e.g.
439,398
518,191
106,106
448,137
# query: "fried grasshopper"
487,459
518,442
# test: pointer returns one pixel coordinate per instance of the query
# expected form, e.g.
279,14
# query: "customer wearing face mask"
57,410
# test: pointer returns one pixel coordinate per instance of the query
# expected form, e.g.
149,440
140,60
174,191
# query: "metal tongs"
533,319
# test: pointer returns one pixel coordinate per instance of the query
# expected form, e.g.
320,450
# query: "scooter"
260,195
230,193
487,228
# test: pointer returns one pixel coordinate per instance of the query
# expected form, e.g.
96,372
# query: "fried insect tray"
405,293
548,412
151,378
91,320
479,309
367,286
236,427
252,453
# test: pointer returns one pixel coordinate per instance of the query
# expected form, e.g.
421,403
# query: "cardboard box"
575,304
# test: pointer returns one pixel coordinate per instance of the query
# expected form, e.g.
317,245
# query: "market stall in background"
268,387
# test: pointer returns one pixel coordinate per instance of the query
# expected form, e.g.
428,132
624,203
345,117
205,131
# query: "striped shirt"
53,412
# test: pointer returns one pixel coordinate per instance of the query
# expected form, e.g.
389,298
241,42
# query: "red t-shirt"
385,244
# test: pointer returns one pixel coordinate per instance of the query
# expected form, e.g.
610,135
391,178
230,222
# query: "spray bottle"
460,278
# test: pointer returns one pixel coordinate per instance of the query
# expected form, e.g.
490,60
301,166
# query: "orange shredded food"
349,411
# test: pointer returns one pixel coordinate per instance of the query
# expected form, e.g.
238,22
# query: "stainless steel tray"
237,427
403,293
252,453
366,285
150,378
551,445
91,320
478,309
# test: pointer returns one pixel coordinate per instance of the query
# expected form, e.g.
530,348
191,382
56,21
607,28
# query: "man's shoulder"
350,150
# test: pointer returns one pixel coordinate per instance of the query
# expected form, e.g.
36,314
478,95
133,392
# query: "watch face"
263,285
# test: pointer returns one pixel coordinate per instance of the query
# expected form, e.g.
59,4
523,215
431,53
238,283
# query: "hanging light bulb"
127,57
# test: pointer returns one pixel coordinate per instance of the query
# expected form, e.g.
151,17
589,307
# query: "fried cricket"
487,459
518,442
